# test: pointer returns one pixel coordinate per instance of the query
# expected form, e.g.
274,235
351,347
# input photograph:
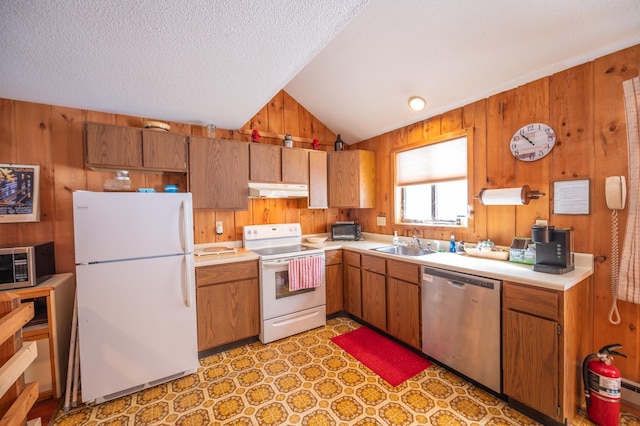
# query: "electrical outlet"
541,222
219,228
382,221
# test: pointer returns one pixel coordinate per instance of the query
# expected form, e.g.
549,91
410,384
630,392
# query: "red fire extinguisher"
602,382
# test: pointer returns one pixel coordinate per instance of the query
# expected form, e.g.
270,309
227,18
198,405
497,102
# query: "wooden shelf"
52,337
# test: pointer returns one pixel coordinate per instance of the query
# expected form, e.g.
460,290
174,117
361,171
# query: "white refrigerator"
135,291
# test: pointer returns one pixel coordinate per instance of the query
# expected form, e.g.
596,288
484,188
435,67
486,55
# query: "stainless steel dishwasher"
461,324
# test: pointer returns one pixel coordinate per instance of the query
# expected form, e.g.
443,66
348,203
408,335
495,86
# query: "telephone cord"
614,315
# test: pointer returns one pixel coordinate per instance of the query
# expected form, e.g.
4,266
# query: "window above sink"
433,182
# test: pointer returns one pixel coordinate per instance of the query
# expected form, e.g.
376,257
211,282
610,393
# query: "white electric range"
284,312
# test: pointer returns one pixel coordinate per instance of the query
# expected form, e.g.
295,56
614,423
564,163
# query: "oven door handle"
281,262
275,263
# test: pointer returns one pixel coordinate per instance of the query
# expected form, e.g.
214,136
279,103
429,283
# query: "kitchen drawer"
373,263
409,272
352,258
535,301
224,273
333,257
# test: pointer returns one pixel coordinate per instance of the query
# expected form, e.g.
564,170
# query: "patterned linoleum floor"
302,380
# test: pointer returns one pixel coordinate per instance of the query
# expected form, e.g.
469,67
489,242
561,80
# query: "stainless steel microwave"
26,266
345,232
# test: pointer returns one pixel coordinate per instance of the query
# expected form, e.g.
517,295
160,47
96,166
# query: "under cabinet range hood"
277,190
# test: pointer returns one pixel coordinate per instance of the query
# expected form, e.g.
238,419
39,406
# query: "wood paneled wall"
585,106
53,137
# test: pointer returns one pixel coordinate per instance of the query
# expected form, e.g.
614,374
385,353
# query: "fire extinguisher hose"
585,377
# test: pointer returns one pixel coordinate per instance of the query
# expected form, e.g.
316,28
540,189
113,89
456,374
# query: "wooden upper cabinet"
266,162
318,196
295,165
352,179
113,146
276,164
135,148
219,173
166,151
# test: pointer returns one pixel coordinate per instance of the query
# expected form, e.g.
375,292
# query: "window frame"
468,133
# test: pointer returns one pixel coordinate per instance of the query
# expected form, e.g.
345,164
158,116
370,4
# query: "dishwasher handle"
457,284
460,279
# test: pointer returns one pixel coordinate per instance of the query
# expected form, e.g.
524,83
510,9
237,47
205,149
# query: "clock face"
532,142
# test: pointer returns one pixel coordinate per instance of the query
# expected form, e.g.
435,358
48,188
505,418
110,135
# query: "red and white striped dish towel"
305,272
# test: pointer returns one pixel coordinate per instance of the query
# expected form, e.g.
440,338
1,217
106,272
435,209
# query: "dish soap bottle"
395,238
452,244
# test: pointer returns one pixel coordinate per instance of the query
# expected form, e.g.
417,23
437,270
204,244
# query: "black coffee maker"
554,249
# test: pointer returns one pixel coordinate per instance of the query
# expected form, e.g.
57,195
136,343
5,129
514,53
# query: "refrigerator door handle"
187,226
188,281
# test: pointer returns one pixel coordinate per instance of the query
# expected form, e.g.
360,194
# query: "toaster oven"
345,231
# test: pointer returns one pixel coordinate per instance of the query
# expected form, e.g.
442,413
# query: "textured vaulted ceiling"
352,63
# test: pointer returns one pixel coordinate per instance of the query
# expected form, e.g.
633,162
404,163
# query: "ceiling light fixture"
416,103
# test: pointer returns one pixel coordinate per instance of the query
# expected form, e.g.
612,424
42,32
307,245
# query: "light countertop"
490,268
241,255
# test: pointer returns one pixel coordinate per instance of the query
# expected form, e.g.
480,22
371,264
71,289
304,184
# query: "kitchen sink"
404,250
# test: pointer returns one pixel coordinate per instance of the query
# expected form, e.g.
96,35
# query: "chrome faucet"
415,240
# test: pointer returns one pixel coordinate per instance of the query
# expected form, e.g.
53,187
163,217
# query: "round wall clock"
532,142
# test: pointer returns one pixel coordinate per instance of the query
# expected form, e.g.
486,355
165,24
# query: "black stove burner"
270,251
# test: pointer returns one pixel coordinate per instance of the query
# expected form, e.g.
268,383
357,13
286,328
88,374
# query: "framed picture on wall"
19,193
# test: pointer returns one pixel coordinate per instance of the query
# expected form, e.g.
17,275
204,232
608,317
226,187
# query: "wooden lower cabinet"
386,294
374,291
545,338
531,361
374,299
228,303
403,302
352,283
333,281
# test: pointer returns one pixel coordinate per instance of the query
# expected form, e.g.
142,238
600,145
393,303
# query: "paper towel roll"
504,196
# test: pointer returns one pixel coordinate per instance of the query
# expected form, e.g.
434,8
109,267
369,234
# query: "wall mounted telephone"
616,192
616,197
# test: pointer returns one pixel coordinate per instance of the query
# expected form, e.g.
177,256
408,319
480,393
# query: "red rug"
389,360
